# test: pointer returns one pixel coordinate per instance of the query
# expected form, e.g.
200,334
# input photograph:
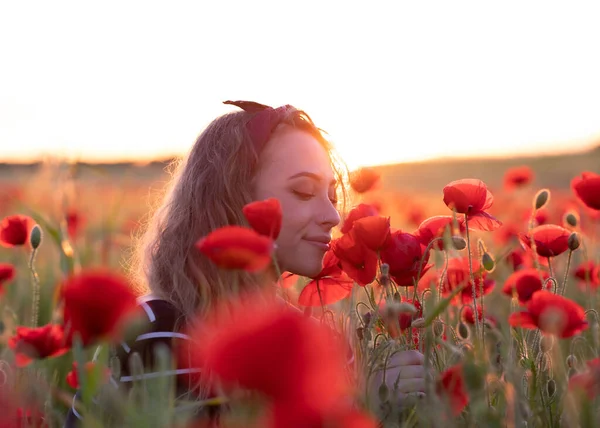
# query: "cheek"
296,218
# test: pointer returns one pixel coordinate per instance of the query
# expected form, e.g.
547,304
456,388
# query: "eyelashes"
307,196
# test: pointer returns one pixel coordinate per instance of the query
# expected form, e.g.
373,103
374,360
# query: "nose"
329,216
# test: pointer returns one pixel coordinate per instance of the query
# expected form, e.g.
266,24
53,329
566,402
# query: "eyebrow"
312,175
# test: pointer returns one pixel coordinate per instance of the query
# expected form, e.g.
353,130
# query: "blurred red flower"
264,217
37,343
363,179
588,381
295,415
550,240
471,197
552,314
14,230
587,188
73,377
588,271
525,282
371,231
357,260
518,176
96,305
358,212
516,259
236,247
7,273
435,227
75,222
287,357
329,286
458,275
451,386
403,253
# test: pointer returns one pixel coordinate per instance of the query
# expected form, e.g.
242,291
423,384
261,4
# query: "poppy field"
497,286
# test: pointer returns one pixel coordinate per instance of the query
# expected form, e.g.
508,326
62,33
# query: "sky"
391,81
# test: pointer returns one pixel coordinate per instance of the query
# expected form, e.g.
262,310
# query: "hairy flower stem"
564,284
550,267
472,278
35,280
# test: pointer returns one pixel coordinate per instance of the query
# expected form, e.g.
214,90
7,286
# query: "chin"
307,268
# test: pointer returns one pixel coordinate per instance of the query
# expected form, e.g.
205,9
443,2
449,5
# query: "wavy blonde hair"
207,191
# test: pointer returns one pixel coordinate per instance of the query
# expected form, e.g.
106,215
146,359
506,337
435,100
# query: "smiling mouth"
323,245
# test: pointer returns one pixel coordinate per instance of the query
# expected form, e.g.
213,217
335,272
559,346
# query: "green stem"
36,290
550,267
564,284
472,277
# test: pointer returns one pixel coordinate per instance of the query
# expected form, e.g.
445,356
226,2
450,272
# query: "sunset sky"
391,81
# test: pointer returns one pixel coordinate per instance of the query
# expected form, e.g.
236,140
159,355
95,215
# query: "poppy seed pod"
487,262
459,242
35,237
571,219
438,328
418,323
571,361
551,388
541,198
573,241
546,343
463,330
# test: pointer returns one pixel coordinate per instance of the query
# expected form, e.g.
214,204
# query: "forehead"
290,151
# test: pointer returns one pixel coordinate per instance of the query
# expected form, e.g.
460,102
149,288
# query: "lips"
319,241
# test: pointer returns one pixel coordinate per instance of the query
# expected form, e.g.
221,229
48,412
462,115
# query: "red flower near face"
7,273
90,368
518,176
371,231
357,260
587,188
525,282
358,212
264,216
37,343
96,304
451,386
236,247
550,240
75,223
587,382
14,230
472,198
329,286
403,253
435,227
363,179
551,313
275,351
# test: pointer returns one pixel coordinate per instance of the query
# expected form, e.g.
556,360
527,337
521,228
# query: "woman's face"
296,169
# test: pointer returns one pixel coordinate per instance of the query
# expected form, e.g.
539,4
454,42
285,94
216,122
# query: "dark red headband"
263,123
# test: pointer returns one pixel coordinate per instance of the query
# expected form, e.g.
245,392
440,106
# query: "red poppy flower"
403,253
518,176
435,227
472,197
265,217
7,273
541,216
525,282
329,286
357,260
90,367
550,240
14,230
297,415
585,272
371,231
40,342
552,314
96,304
516,259
236,247
588,381
275,351
358,212
587,188
415,215
75,223
363,179
288,280
451,386
458,275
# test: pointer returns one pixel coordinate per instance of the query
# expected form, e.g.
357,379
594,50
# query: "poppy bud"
359,333
438,328
573,241
487,262
367,318
571,361
541,198
551,388
459,242
383,392
418,323
571,219
571,373
463,330
397,297
546,343
405,307
385,269
35,237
